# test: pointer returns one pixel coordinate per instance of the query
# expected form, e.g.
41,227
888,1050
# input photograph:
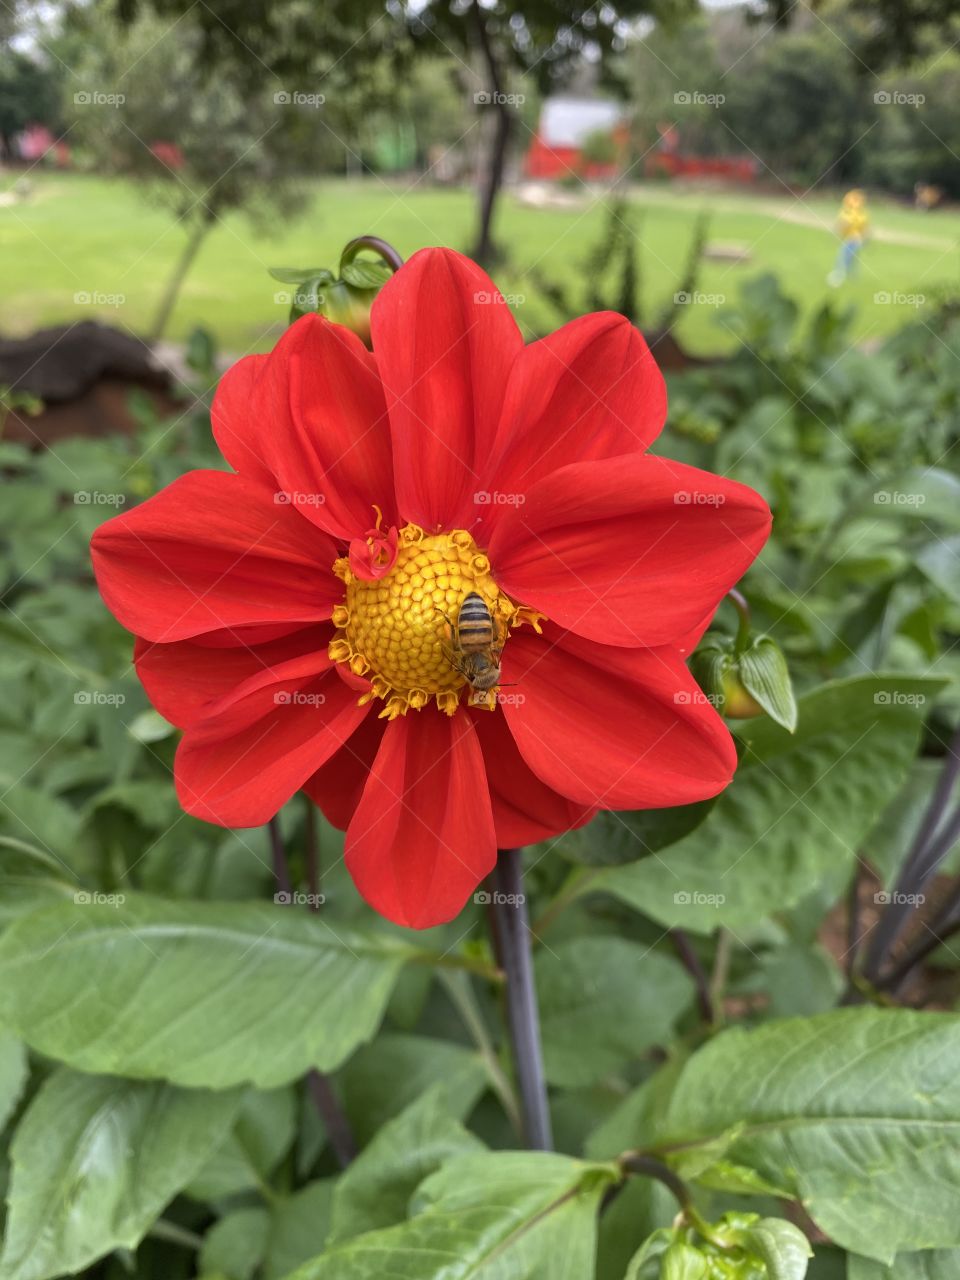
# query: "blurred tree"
797,104
199,145
501,45
29,94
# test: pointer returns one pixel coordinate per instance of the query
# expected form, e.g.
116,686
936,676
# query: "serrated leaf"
199,993
603,1002
796,812
94,1162
375,1189
497,1216
857,1110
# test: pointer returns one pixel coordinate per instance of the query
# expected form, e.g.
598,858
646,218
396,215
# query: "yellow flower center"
400,631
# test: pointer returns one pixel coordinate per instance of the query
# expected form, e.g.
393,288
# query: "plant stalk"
321,1091
926,853
513,943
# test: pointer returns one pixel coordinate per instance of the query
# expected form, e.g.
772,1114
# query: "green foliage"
850,1107
160,1016
76,1189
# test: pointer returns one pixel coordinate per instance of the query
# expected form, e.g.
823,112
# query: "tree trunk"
492,180
175,283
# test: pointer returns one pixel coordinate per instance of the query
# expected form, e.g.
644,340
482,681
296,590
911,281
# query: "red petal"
337,787
591,390
259,744
652,738
422,837
243,419
213,551
525,809
444,341
629,551
310,421
185,679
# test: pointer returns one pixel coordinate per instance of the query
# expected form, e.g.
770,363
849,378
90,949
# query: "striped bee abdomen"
474,624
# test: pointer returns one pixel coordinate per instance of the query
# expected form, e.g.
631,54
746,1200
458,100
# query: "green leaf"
857,1111
149,726
258,1141
497,1216
375,1190
797,809
235,1245
652,1250
199,993
365,273
296,275
765,675
603,1002
383,1078
931,1264
95,1160
783,1247
13,1074
940,561
298,1228
684,1262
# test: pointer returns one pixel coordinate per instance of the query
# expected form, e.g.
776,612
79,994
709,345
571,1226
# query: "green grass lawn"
78,234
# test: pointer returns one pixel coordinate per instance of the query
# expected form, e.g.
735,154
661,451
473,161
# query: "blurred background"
770,191
648,156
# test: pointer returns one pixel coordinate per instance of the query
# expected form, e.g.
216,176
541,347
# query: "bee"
476,645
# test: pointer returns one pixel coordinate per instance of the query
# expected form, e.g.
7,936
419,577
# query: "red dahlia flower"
279,608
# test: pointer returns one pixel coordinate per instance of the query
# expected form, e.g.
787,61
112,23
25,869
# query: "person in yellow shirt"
852,224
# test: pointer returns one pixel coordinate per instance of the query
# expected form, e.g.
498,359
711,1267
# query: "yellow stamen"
396,629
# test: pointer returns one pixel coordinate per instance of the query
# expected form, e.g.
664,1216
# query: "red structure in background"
565,126
674,164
